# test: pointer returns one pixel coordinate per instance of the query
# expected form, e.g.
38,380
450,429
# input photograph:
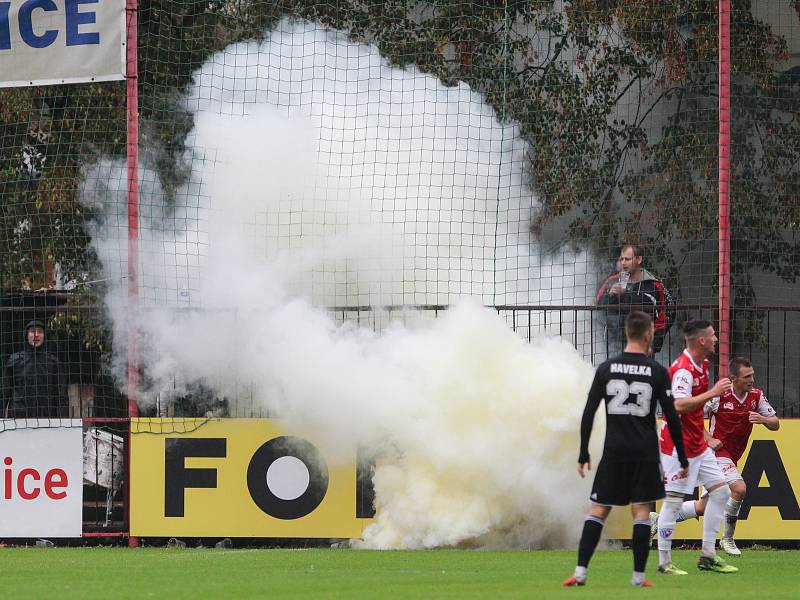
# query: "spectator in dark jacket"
642,291
33,383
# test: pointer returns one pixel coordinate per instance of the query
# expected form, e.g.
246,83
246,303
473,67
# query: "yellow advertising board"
237,478
770,468
249,478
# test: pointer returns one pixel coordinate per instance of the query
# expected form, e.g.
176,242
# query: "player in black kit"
630,470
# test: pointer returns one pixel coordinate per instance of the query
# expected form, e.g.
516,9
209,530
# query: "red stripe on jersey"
661,308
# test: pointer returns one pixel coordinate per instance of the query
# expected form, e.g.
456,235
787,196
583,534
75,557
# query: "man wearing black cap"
33,384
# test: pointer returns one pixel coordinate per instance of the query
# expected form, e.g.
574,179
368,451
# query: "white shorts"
703,469
729,469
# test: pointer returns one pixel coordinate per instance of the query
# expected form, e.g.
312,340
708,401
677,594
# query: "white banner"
44,42
41,478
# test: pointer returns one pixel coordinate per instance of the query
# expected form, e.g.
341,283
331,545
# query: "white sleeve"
765,408
682,383
711,407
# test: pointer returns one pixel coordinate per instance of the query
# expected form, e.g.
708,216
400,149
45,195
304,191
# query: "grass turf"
210,573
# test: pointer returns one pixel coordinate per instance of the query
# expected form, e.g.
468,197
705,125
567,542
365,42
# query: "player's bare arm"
772,423
712,442
690,403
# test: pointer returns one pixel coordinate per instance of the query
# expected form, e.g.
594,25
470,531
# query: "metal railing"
768,335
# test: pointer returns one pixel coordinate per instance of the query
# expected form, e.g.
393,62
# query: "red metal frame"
724,184
133,202
131,29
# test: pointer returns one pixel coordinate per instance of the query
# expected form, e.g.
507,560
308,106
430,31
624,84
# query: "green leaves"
618,101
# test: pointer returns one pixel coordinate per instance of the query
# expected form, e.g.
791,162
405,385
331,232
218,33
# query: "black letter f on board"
177,477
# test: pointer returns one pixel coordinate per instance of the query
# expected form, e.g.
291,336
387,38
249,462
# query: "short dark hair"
637,324
637,250
695,325
736,364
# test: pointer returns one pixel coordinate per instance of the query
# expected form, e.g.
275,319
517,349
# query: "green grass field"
210,573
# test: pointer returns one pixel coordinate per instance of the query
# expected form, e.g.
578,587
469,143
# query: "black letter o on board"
317,477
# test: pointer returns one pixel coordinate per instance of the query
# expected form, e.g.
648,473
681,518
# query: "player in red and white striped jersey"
690,390
732,416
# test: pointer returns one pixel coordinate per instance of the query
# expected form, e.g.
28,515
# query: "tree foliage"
46,133
617,99
619,103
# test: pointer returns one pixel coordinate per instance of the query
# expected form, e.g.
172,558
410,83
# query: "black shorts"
621,483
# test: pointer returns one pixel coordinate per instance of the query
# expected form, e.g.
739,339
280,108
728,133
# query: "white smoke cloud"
322,176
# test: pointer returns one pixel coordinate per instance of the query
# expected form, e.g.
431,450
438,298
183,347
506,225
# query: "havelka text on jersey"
630,369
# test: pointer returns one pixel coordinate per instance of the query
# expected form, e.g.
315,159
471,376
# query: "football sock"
687,511
666,528
638,578
592,528
640,544
731,516
713,517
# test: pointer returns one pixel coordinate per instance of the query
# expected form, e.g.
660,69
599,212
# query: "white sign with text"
44,42
41,478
